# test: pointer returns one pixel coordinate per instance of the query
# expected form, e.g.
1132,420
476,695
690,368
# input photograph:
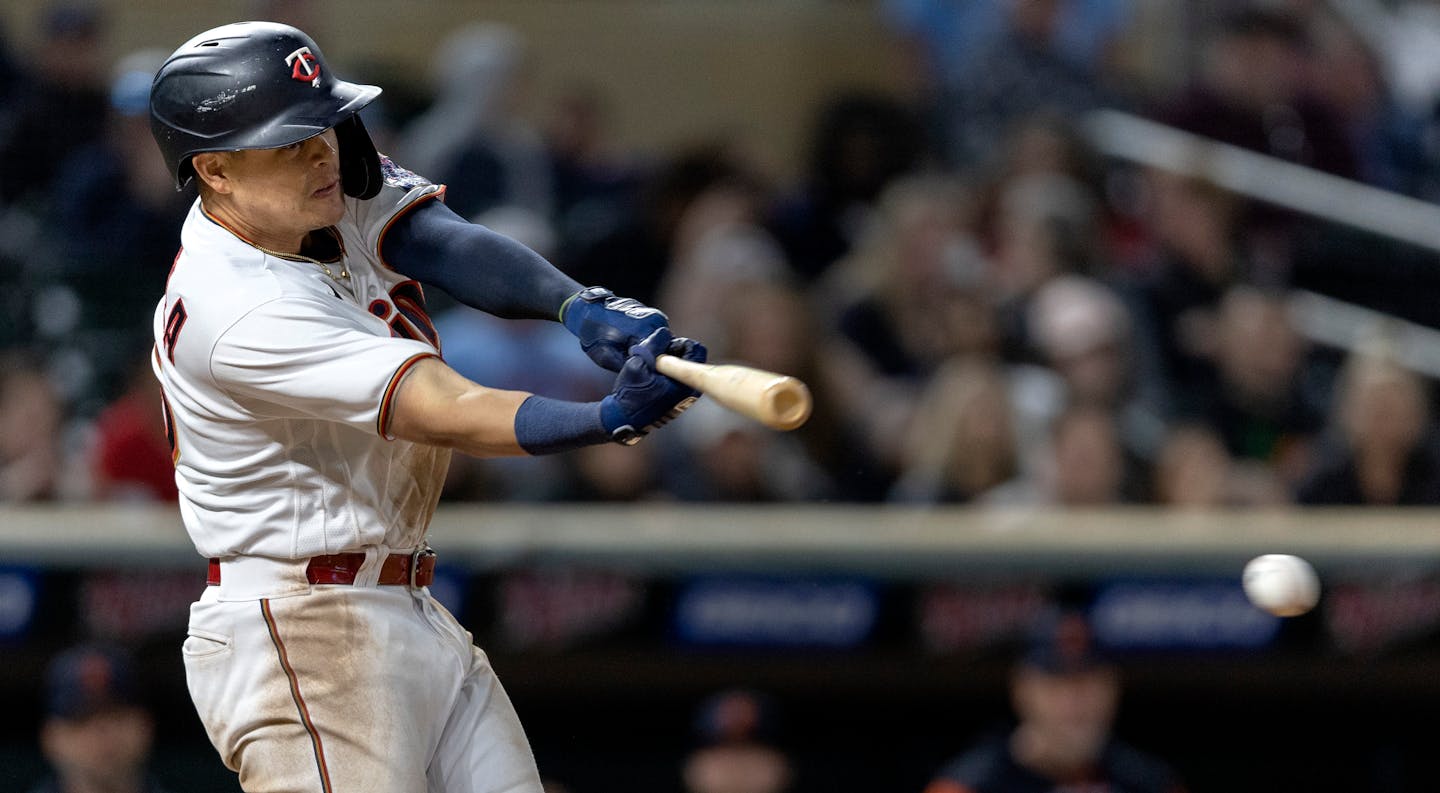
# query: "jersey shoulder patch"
395,176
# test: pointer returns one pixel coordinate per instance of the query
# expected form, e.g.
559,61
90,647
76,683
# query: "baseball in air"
1281,584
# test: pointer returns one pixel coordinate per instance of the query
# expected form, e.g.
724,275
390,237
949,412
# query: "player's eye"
292,147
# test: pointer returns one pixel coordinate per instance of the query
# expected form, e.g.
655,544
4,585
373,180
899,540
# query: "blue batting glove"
608,326
644,399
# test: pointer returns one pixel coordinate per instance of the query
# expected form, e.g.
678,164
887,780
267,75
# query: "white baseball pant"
351,688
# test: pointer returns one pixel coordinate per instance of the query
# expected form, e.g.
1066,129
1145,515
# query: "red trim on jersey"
380,241
222,224
295,693
173,265
382,422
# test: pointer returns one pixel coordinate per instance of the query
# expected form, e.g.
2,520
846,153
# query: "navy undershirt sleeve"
476,266
546,426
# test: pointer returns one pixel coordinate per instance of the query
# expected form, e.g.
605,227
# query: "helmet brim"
340,103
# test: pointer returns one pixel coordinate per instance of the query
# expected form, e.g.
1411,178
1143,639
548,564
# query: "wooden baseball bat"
778,401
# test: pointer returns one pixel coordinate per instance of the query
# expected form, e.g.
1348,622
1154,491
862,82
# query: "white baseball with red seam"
1281,584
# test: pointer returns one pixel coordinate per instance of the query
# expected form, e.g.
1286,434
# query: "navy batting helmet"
258,85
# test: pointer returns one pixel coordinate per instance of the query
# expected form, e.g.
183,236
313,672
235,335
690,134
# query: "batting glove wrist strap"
608,326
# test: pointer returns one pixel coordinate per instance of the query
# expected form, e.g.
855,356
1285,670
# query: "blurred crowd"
986,310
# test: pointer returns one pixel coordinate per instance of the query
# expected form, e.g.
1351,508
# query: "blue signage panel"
1179,614
766,612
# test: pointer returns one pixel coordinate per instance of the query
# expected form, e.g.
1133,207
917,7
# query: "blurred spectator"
1194,228
97,731
1265,402
1194,471
1065,694
911,296
114,228
699,189
962,441
61,105
1084,466
1044,226
1046,143
32,459
596,187
1090,466
1083,332
729,257
1349,77
1251,92
613,473
939,37
1015,73
1046,153
1382,449
131,458
861,143
729,458
737,750
472,138
1405,37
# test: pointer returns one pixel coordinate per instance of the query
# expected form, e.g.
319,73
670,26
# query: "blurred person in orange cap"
97,733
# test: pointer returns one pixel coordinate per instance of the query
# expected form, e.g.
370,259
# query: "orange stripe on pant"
299,700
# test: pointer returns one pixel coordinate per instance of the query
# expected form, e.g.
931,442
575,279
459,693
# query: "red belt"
399,569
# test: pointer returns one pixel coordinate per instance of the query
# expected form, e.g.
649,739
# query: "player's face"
280,195
99,746
1069,715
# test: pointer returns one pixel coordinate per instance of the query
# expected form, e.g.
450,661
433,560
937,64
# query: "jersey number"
173,323
410,320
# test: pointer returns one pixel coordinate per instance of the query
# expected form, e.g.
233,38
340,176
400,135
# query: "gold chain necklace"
344,273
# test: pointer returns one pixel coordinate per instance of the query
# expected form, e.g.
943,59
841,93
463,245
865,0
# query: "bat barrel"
787,403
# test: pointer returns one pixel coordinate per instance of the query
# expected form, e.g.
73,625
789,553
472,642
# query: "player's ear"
213,169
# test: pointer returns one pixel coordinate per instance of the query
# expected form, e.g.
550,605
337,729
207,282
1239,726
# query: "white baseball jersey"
278,380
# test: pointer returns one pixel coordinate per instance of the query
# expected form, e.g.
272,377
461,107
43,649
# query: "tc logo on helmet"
304,66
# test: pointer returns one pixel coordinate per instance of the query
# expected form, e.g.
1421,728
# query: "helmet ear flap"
360,175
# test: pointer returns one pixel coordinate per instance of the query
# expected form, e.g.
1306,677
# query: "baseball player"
311,421
1065,692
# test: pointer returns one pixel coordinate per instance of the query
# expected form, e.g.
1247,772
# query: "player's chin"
329,203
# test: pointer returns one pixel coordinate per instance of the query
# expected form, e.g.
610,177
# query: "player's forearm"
477,266
436,406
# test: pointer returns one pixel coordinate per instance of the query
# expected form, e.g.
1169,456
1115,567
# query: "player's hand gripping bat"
778,401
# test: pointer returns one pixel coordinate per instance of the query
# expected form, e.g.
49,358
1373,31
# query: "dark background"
609,703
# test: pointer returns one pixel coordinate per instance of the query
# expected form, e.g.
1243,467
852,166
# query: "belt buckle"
415,556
